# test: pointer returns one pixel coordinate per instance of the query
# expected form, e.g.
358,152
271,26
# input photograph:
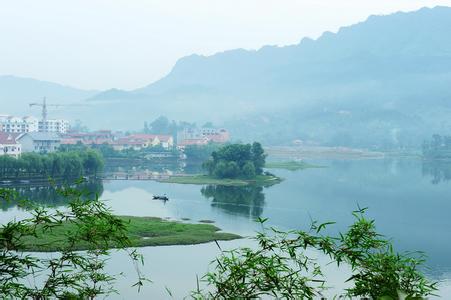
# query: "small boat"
164,197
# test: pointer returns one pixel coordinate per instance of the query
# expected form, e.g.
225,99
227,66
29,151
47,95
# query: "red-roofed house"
140,141
202,136
88,138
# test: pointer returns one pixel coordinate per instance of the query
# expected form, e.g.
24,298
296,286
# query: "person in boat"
164,197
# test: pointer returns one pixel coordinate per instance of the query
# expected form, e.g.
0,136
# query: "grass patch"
205,179
142,231
290,165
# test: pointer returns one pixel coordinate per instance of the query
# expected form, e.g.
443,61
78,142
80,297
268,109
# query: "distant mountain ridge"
384,81
17,92
381,83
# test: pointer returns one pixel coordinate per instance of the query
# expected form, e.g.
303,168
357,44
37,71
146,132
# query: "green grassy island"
142,232
232,165
261,180
290,165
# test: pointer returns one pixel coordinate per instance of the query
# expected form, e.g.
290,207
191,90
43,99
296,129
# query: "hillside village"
28,134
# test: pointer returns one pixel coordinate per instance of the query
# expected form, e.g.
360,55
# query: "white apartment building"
13,124
42,142
54,125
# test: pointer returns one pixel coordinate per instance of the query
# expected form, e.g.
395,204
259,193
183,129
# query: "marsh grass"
141,232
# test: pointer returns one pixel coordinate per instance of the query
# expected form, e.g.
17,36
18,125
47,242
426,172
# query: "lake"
409,199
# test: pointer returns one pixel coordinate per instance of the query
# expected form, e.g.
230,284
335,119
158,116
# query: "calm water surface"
410,200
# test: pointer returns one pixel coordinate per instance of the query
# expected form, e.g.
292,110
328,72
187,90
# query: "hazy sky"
131,43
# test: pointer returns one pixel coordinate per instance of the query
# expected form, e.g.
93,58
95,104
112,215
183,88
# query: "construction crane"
44,106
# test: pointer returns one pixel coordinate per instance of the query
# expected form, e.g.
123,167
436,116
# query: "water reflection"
47,194
439,170
247,201
143,165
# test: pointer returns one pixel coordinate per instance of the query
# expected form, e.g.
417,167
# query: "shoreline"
262,180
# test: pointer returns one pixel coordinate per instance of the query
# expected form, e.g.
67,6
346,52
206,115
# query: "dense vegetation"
200,153
279,267
438,147
71,274
108,151
72,164
141,231
236,161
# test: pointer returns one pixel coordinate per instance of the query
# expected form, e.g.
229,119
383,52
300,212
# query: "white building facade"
41,142
13,124
54,125
9,146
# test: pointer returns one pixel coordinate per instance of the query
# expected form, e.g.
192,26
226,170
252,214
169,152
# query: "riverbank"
262,180
290,165
320,152
142,232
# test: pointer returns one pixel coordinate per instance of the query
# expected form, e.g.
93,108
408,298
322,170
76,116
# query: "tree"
71,274
236,160
200,152
258,157
279,267
208,125
249,170
159,125
67,164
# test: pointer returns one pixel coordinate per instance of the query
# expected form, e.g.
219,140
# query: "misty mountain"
17,92
384,81
115,94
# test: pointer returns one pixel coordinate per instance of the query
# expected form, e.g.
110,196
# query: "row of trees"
71,164
438,147
236,161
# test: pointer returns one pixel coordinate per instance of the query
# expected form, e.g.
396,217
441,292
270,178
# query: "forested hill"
382,83
388,76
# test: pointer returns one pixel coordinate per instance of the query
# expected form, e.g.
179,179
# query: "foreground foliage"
68,273
279,267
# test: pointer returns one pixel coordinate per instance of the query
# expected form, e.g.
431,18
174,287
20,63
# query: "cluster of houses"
14,144
25,138
118,141
139,141
28,134
202,136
